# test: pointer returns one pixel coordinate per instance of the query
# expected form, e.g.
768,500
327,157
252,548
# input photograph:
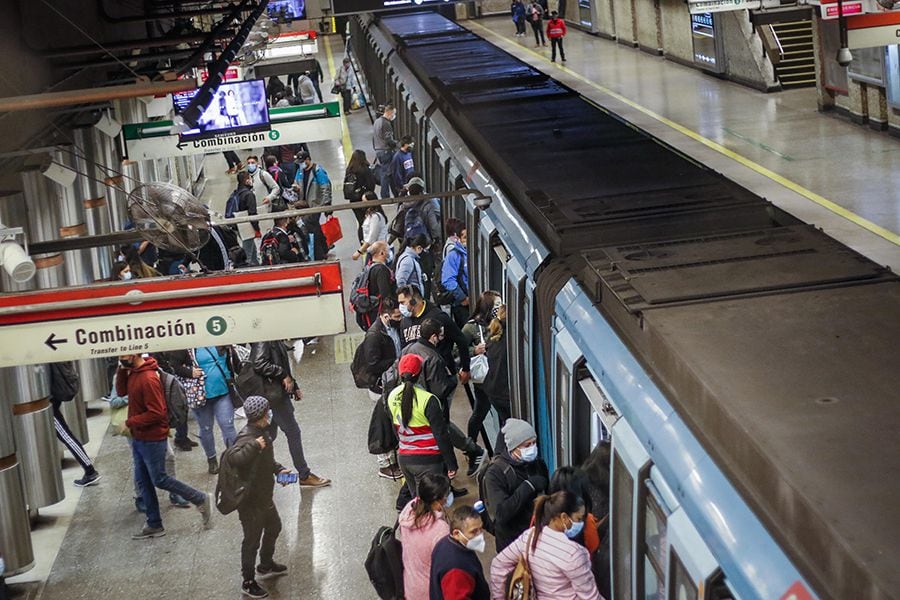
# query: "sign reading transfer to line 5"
171,313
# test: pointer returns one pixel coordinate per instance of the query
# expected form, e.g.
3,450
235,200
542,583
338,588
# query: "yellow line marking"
346,143
794,187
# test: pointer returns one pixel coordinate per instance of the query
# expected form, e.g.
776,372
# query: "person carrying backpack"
314,190
265,185
409,268
374,284
253,460
455,274
358,180
243,199
64,386
282,178
281,245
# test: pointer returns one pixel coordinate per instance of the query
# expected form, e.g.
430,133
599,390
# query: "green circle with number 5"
216,325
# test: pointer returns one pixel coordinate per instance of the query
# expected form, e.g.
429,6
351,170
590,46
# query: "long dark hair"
572,479
484,307
549,507
406,399
431,488
358,162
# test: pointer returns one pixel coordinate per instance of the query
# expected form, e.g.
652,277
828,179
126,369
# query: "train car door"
693,571
630,467
517,293
566,357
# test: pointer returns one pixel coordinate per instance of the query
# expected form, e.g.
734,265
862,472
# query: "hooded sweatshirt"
148,418
418,543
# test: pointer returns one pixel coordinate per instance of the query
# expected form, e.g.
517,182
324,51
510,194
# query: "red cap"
410,364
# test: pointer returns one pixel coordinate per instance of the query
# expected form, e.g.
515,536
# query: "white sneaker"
239,413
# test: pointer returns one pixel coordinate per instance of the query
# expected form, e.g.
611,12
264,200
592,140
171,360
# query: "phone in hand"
287,478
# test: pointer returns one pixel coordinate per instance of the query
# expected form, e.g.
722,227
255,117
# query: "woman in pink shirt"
422,524
560,568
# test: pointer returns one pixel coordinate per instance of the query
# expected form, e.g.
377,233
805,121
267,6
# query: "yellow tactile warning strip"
345,345
794,187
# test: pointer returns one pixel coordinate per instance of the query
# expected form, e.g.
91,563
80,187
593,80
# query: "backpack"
414,222
384,564
351,190
362,377
230,488
487,520
64,381
268,250
233,204
280,177
176,399
361,302
441,296
382,437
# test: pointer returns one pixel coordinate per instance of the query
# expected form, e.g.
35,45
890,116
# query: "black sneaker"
476,462
185,445
92,478
458,492
272,569
213,465
148,532
252,589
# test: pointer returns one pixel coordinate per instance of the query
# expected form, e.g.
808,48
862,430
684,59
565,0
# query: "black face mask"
393,323
127,364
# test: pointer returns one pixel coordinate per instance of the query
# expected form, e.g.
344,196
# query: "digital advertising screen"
286,9
346,7
236,107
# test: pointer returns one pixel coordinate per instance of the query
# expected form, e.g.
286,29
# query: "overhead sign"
233,73
290,125
871,30
701,6
155,315
830,9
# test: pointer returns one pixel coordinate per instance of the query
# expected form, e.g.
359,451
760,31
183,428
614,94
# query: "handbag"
478,365
331,228
194,388
382,435
519,585
335,89
237,400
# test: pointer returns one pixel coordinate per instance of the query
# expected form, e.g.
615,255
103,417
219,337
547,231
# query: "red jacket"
148,418
556,28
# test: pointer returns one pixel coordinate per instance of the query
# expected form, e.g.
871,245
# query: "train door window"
587,428
496,274
561,400
654,548
682,585
623,523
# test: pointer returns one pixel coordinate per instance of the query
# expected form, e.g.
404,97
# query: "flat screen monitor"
286,10
236,107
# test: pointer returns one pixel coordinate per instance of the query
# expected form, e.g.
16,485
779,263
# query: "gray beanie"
255,407
515,432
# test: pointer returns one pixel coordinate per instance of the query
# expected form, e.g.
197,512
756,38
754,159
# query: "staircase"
795,64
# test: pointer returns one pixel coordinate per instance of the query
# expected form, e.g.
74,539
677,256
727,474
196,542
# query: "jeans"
170,468
181,432
479,411
414,472
554,42
149,465
384,163
258,522
249,247
220,409
283,418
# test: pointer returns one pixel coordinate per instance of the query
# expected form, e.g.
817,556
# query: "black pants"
313,228
258,523
347,96
554,42
537,27
501,405
460,314
360,214
520,26
479,411
65,435
232,158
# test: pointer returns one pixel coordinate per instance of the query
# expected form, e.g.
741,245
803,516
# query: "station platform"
828,172
83,546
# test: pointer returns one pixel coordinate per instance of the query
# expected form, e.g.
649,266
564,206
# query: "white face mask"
449,501
126,275
476,544
529,453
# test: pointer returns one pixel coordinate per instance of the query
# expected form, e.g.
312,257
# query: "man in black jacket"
437,379
272,365
64,386
415,311
512,481
253,459
288,247
380,348
247,202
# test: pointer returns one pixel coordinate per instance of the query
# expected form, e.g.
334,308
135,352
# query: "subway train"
743,365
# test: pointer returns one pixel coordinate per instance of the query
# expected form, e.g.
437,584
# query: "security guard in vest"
417,414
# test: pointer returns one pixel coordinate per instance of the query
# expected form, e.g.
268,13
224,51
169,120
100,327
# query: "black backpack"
487,521
230,488
362,377
176,399
352,191
64,381
384,564
268,250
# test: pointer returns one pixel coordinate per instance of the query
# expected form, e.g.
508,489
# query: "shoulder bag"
519,585
478,364
237,400
194,387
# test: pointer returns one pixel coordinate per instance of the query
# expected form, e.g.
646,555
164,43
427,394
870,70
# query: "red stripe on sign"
873,20
330,274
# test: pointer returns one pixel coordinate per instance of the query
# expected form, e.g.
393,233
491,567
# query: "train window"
654,549
585,421
497,272
682,586
718,589
563,394
623,520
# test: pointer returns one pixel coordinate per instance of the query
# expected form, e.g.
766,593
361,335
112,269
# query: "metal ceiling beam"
126,58
100,94
214,34
175,14
130,45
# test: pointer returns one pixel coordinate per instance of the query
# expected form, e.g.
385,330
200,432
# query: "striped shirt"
560,568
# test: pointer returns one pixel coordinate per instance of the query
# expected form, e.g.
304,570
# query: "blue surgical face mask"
269,415
404,310
573,531
529,453
251,168
449,501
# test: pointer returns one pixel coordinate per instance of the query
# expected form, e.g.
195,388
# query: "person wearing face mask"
384,143
456,571
314,190
243,199
421,427
264,186
380,348
253,458
422,524
120,271
560,567
409,268
512,481
402,165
